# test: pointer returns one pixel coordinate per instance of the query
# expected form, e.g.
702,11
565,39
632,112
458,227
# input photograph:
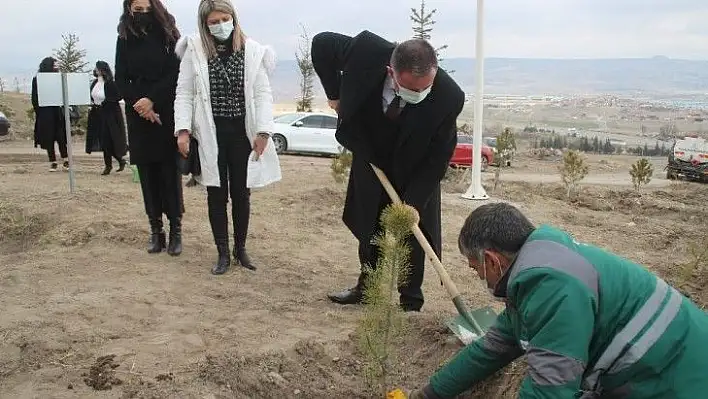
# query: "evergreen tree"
70,57
423,25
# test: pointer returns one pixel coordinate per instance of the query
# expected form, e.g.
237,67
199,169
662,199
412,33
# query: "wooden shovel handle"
422,240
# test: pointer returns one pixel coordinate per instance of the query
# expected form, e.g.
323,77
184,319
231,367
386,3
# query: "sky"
31,29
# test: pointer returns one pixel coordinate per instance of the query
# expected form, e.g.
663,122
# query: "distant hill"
651,77
658,77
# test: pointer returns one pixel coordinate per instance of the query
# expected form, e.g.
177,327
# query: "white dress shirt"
98,94
389,93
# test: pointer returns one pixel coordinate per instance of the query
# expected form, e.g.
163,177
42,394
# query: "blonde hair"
206,7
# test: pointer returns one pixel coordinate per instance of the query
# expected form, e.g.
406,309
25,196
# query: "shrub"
573,170
641,173
341,165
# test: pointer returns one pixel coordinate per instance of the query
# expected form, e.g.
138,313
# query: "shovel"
469,325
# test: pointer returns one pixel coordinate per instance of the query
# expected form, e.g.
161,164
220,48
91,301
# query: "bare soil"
88,313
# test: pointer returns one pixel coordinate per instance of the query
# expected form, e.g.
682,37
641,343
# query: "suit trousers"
63,151
161,184
410,290
234,149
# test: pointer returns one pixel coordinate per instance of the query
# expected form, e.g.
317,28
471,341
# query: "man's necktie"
394,109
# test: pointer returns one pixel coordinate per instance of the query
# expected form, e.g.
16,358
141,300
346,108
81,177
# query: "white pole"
475,190
67,120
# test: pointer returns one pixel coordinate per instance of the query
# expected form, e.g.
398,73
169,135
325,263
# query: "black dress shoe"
106,171
349,296
407,307
121,165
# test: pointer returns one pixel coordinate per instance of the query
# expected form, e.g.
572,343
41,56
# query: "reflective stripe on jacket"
590,323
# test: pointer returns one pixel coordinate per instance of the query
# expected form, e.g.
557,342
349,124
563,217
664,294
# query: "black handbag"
191,164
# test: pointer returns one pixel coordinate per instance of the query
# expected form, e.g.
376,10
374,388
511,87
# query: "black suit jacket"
350,68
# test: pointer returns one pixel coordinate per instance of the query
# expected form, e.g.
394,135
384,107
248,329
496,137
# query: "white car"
310,132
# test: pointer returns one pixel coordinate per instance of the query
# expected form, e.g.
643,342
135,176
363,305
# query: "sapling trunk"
382,321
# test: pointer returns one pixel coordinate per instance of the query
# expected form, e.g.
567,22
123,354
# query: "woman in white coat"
224,101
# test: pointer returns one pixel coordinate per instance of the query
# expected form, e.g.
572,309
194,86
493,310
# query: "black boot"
243,259
121,165
224,261
175,246
106,170
157,237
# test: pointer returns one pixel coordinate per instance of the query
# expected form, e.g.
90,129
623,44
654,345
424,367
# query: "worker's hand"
415,214
143,106
183,142
334,104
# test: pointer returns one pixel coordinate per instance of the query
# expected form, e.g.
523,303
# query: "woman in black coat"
106,130
49,126
146,73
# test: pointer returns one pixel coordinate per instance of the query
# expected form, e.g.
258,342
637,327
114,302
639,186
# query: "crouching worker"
591,324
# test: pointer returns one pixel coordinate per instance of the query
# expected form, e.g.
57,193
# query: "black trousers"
109,151
234,150
411,292
63,151
161,184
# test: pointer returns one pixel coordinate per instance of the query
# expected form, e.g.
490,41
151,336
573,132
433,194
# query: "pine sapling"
382,324
641,173
573,170
341,164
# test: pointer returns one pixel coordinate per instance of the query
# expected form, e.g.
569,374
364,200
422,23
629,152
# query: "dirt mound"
102,375
314,369
20,228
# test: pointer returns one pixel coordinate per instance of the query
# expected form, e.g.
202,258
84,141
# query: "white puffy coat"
193,103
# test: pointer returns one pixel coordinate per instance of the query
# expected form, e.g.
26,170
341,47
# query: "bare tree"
70,57
307,73
2,85
17,85
423,22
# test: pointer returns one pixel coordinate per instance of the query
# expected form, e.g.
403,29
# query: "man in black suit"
398,111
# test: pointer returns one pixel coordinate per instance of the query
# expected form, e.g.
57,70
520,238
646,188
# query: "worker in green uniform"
591,324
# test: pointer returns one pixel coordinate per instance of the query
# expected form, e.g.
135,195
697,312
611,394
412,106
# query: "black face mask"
95,74
142,19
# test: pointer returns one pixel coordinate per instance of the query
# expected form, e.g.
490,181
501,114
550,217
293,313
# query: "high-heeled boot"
242,258
157,237
174,247
224,261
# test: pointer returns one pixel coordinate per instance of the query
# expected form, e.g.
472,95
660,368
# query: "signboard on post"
64,90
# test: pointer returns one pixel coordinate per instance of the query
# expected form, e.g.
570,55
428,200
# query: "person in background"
146,75
591,324
49,122
106,129
397,110
223,91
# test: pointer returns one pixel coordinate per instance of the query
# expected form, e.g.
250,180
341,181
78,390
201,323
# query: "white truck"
688,158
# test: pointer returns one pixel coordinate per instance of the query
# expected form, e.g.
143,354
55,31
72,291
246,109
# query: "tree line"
598,146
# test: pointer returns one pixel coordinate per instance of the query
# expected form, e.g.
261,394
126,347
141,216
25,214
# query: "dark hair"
499,226
47,64
416,56
126,24
105,70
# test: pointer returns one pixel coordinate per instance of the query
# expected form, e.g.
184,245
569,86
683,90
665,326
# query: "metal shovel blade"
485,317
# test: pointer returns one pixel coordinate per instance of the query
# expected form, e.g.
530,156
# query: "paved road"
607,179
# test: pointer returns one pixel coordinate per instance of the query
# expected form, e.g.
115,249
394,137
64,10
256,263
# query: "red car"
462,157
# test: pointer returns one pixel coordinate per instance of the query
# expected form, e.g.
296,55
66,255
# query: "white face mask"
412,97
484,279
222,30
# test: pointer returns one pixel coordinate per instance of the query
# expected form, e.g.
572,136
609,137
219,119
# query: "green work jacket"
591,324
